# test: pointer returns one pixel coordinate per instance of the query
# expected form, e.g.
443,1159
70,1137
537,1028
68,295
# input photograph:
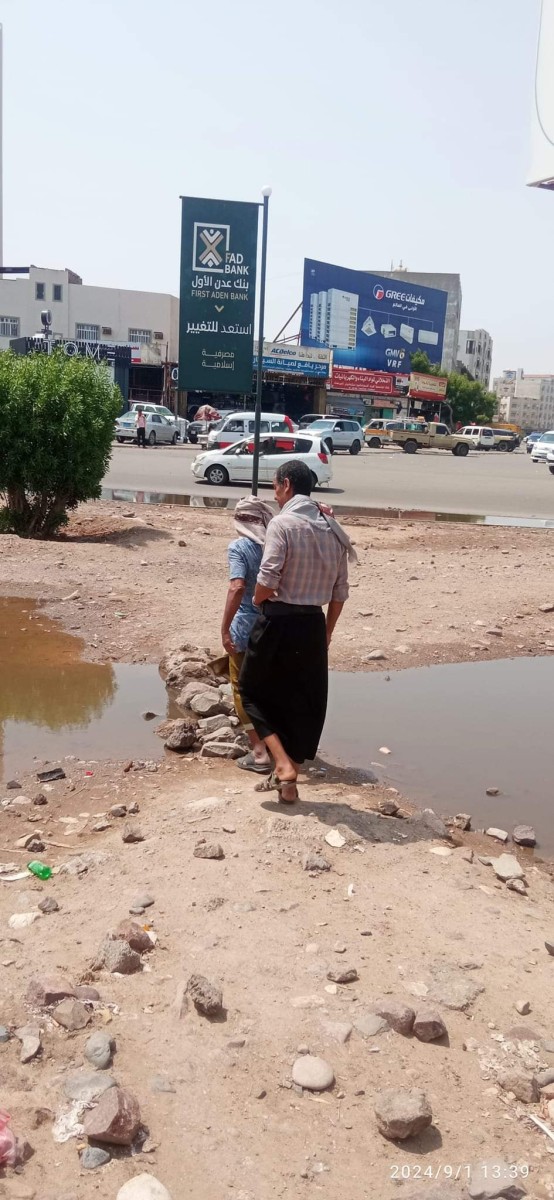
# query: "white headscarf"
252,517
305,509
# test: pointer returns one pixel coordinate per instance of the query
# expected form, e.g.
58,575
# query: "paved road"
486,484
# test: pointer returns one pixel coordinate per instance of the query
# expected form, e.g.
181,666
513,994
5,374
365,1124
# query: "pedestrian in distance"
284,676
141,428
252,517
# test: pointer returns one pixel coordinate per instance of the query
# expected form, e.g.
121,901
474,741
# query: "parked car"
378,432
543,446
431,436
239,425
308,419
530,441
234,464
550,461
481,437
339,434
161,409
158,428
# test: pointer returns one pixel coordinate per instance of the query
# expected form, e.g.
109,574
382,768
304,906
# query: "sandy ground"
421,593
416,925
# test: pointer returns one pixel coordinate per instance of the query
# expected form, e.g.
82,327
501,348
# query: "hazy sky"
388,129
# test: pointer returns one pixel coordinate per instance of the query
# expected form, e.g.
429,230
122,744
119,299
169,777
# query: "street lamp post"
266,193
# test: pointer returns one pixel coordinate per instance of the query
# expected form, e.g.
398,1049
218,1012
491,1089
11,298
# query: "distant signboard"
219,240
110,352
368,320
345,379
430,387
295,360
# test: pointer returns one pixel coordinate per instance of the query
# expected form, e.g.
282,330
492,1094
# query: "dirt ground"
422,593
223,1118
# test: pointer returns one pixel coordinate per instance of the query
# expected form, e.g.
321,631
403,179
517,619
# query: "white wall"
114,308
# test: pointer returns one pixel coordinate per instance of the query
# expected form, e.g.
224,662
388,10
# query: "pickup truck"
432,436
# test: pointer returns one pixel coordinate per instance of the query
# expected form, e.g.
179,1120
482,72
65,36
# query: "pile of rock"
209,725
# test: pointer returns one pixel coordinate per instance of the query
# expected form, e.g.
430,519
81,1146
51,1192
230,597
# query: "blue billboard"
368,320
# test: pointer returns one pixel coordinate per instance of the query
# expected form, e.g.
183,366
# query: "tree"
469,400
57,420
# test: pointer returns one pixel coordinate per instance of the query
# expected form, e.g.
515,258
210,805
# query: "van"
479,436
240,424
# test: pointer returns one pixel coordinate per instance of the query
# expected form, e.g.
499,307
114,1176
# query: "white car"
158,428
234,465
161,409
543,447
550,461
340,434
479,436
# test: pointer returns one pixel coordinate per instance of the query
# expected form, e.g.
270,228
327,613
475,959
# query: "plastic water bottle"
39,869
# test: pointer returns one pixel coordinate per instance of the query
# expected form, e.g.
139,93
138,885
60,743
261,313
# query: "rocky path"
269,1019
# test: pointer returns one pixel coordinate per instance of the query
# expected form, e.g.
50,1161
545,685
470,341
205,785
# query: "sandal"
274,784
248,763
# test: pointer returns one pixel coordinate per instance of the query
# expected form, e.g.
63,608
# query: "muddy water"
53,703
453,731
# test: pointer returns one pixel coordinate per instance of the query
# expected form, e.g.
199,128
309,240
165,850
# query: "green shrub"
56,427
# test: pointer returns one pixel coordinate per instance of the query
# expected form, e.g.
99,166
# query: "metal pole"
258,417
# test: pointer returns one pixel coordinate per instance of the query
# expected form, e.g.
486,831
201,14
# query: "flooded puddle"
186,500
453,731
54,704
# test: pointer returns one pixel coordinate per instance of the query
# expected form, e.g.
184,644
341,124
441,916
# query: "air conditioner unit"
407,332
388,331
106,331
158,337
427,337
368,326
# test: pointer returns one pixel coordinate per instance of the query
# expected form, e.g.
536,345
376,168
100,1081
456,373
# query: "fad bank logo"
379,291
210,245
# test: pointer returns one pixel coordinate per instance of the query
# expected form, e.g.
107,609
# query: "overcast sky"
388,129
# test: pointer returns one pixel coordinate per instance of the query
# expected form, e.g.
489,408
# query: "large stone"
507,867
205,995
99,1049
221,750
344,975
87,1087
143,1187
370,1024
208,850
115,1119
191,689
338,1031
397,1015
182,736
116,956
402,1113
523,1085
500,835
492,1180
313,1073
313,861
213,724
225,734
452,988
524,835
431,821
136,937
44,990
429,1025
207,703
132,833
72,1015
94,1157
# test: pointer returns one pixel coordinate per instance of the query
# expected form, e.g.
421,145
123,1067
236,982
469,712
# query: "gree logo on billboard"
210,245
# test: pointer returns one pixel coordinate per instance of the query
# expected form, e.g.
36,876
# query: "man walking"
284,676
141,428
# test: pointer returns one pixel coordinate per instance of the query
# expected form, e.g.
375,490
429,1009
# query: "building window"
9,327
86,333
40,291
470,346
57,291
142,336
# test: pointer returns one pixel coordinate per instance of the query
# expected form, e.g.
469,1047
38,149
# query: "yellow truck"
429,436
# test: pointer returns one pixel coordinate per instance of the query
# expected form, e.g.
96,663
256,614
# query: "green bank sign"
219,240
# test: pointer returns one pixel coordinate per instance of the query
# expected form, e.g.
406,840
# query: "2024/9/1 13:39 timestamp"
486,1171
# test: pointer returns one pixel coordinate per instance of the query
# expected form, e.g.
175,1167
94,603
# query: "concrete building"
445,283
83,313
526,400
475,354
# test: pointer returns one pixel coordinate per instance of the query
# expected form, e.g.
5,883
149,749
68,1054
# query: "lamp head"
266,192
